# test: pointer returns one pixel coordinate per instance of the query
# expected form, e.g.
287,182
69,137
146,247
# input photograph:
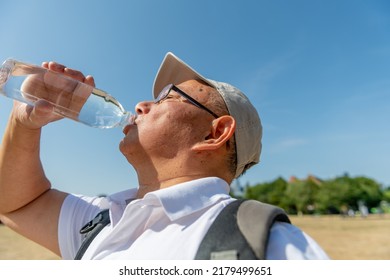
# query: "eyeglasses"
167,89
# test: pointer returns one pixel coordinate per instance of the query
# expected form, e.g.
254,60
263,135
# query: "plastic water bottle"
72,99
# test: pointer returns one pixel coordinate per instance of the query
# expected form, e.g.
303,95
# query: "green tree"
362,189
332,196
271,192
386,194
320,196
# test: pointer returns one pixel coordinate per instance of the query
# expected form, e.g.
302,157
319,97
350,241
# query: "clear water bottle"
72,99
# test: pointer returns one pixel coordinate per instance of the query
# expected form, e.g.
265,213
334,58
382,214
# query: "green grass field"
342,238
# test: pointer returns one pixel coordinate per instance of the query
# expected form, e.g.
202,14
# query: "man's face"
167,129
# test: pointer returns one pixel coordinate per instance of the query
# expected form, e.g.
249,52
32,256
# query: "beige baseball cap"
248,131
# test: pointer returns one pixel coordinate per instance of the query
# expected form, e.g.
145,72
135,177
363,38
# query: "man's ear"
221,130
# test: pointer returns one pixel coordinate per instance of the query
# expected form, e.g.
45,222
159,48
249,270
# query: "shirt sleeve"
288,242
76,211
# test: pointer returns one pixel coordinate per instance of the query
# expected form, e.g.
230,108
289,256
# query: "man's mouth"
127,128
132,122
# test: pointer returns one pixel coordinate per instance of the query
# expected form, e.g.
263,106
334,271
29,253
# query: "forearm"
22,178
28,205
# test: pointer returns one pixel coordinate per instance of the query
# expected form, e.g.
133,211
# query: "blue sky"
317,71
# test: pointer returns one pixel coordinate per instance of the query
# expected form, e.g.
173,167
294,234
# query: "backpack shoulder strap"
255,219
92,229
240,231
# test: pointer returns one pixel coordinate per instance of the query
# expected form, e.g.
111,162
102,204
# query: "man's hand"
62,96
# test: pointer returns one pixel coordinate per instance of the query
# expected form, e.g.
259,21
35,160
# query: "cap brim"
174,71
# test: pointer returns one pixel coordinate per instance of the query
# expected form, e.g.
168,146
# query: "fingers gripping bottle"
71,98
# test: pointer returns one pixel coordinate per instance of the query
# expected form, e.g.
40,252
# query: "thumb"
42,113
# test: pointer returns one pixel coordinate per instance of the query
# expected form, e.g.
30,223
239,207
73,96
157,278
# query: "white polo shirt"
165,224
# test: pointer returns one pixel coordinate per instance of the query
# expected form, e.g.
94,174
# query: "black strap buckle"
93,223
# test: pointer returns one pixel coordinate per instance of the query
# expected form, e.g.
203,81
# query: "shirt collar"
178,200
186,198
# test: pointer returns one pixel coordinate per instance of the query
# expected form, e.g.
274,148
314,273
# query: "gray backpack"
239,232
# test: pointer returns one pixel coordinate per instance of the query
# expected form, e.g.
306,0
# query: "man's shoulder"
287,241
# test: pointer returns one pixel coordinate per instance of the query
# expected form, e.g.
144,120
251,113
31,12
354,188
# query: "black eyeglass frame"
167,89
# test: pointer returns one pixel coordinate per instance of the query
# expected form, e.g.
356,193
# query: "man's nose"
143,107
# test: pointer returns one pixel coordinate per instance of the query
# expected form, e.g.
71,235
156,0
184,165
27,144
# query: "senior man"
186,146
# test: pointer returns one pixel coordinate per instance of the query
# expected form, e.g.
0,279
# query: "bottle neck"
127,119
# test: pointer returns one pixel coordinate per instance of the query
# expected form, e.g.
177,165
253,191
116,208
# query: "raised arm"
28,204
